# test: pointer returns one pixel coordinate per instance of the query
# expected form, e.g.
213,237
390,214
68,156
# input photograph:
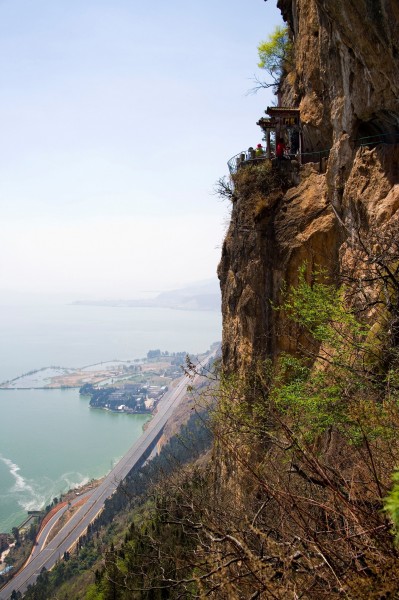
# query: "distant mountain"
200,296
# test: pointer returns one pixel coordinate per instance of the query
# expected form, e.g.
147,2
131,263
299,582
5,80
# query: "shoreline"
73,494
118,370
151,365
21,389
66,498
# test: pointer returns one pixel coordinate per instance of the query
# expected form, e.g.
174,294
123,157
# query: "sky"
117,117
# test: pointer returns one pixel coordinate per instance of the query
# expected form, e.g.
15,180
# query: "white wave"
35,503
28,498
20,483
34,495
74,480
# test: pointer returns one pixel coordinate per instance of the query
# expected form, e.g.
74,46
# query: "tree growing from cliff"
275,57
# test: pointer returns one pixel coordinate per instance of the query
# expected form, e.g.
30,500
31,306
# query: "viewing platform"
244,158
283,125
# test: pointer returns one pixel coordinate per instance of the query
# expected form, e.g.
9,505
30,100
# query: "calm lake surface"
73,336
50,440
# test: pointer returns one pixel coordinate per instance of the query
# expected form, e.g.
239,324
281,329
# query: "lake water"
73,336
50,440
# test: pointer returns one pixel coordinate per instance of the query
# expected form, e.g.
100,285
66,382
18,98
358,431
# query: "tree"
275,55
15,532
312,438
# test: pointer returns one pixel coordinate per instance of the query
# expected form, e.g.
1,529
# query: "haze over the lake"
117,118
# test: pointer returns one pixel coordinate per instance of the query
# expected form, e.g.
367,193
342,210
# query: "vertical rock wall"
346,83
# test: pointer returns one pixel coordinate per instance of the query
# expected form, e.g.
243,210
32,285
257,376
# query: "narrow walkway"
240,159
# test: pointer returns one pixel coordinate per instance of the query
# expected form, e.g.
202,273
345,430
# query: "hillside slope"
309,279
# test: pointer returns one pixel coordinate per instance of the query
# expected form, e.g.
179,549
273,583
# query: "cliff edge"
345,81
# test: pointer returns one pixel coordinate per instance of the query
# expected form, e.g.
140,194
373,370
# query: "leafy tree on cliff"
275,55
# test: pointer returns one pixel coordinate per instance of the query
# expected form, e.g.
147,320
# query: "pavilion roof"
282,111
266,123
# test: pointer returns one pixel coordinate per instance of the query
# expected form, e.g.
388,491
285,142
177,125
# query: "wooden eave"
266,123
281,111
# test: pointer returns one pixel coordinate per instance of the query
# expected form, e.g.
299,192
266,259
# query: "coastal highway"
77,525
41,538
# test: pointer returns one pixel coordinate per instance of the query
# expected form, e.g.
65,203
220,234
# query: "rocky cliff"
345,80
305,443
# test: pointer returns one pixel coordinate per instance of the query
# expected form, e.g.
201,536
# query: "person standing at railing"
259,151
250,153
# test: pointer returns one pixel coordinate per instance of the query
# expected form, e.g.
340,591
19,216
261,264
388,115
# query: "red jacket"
280,150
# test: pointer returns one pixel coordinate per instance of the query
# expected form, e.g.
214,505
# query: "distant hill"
203,295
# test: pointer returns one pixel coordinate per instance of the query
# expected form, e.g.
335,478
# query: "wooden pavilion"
285,123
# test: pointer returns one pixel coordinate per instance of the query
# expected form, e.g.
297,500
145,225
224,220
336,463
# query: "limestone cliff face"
346,71
346,83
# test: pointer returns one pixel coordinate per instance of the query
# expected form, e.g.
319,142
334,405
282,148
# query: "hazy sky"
116,118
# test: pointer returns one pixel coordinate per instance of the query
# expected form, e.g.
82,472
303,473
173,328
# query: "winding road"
77,525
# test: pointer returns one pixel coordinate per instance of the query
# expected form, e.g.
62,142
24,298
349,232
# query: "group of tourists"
281,151
255,153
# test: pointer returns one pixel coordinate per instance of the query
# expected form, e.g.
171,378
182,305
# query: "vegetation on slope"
132,503
297,501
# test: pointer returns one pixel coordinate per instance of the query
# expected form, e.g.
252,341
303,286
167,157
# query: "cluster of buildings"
129,398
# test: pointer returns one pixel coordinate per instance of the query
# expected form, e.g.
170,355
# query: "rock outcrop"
346,83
